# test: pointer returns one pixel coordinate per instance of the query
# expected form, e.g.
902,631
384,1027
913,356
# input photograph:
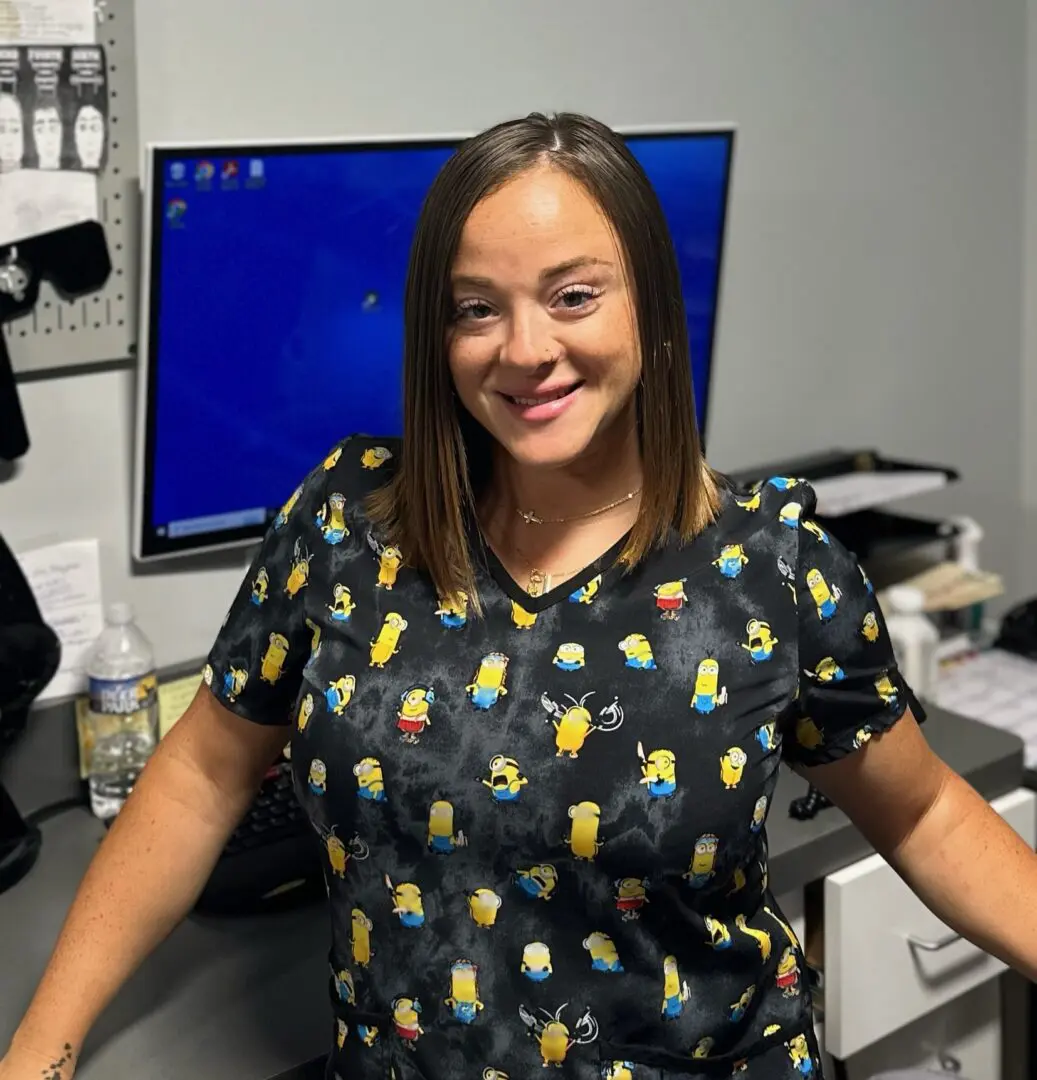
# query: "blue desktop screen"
276,310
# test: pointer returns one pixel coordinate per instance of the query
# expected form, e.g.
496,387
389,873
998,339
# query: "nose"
529,342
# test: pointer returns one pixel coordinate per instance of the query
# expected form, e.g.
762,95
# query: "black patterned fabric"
544,827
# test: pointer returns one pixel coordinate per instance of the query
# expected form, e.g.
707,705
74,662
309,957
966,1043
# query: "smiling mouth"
542,399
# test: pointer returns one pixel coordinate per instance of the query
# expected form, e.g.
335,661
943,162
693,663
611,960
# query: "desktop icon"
256,169
177,171
204,171
175,210
229,170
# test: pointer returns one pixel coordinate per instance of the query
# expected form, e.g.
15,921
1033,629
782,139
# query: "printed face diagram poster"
53,116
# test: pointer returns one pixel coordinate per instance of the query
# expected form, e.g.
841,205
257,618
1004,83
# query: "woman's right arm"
145,877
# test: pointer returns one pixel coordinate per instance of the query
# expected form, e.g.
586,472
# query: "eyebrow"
548,274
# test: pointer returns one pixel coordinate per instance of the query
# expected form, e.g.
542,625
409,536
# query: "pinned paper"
173,699
66,581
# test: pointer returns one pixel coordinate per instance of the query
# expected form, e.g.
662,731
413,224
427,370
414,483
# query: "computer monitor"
272,311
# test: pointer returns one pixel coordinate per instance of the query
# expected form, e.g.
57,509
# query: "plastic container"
123,717
913,636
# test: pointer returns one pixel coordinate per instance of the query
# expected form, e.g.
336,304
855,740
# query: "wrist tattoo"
60,1069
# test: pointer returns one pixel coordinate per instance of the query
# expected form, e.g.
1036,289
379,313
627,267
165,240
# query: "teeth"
530,401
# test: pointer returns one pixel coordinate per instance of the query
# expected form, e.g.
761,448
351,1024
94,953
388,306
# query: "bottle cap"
120,613
905,599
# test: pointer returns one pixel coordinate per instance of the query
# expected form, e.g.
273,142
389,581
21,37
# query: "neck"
599,477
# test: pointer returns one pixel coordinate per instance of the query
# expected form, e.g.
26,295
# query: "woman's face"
89,136
543,344
46,130
12,138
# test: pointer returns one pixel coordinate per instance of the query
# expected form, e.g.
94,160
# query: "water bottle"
913,636
123,716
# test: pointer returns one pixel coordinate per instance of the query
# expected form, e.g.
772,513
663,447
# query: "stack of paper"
839,495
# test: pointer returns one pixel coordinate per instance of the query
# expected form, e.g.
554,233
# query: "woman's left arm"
963,861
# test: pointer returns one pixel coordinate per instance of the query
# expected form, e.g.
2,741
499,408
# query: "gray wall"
873,288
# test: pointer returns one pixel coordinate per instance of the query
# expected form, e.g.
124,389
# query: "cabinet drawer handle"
933,946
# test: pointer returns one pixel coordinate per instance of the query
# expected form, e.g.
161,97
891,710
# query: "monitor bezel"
146,546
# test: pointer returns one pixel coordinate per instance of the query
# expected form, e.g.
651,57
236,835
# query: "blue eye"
575,297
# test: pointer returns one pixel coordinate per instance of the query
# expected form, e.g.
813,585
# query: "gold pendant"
537,582
530,517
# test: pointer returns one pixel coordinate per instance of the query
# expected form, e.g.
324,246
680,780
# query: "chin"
546,449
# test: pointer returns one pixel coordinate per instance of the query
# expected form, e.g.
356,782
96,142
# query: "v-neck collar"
604,565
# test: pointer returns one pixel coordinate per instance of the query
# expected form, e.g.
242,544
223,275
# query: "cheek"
470,359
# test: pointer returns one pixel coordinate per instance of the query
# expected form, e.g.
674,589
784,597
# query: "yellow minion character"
827,671
825,599
631,896
583,835
617,1070
703,1047
788,515
574,722
799,1054
273,660
638,652
814,529
759,814
338,853
441,837
536,961
719,935
538,881
483,905
670,598
553,1037
886,691
569,656
808,734
787,977
870,627
863,736
234,681
675,990
602,949
732,765
750,503
361,937
585,593
761,642
370,784
703,861
406,1014
464,1003
299,575
341,1031
761,937
261,586
305,712
207,675
731,560
789,933
737,881
521,618
318,778
282,515
375,456
341,606
387,644
771,1029
389,562
340,693
368,1034
406,903
708,694
331,519
658,772
332,459
413,715
453,611
506,780
487,687
739,1008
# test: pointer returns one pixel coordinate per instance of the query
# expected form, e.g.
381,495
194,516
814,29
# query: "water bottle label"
122,697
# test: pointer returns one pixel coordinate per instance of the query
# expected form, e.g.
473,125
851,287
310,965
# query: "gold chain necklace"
530,517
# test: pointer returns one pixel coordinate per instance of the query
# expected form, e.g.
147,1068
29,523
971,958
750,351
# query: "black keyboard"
272,859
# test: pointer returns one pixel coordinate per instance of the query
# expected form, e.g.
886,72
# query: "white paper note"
839,495
66,581
48,22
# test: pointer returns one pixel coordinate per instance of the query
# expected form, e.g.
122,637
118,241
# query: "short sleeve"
255,665
849,686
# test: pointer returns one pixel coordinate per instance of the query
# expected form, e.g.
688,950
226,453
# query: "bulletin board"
100,328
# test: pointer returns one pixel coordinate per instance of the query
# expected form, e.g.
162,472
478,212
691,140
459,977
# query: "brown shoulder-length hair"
428,509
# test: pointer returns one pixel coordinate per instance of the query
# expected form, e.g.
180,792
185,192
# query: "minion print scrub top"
544,827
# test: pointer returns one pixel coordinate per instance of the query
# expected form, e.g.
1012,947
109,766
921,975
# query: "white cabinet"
889,961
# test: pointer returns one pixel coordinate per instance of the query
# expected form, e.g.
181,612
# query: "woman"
575,659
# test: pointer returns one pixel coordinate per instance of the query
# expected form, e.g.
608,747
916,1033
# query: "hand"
20,1063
